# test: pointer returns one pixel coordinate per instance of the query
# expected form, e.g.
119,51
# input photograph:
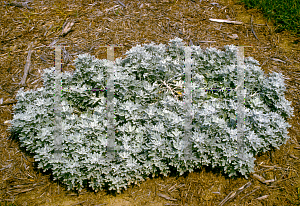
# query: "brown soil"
99,23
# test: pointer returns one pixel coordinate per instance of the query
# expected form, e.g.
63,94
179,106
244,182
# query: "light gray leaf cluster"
150,116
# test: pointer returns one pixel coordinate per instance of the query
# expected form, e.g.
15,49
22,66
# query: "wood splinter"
253,29
233,194
27,65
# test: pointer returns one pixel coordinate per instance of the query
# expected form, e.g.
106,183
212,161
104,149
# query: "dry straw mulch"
27,30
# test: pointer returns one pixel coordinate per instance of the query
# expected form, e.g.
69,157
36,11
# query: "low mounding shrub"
150,116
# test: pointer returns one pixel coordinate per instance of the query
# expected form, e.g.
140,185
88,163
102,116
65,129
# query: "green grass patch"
286,14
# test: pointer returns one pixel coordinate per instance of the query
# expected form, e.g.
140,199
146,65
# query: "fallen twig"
297,148
18,191
106,10
171,90
207,41
121,3
257,187
27,66
252,28
262,197
263,180
278,60
166,197
293,156
233,194
267,166
171,188
259,178
226,21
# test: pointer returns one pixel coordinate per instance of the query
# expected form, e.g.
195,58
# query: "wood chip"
226,21
171,188
269,181
21,191
121,3
234,36
166,197
267,166
207,41
53,43
27,65
297,148
292,156
44,58
233,194
278,60
7,122
106,10
7,166
259,178
67,28
253,29
262,197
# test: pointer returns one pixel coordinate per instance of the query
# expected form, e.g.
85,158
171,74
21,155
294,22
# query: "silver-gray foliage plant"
149,118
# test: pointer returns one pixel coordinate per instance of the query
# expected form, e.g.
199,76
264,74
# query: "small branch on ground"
27,65
252,28
233,194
